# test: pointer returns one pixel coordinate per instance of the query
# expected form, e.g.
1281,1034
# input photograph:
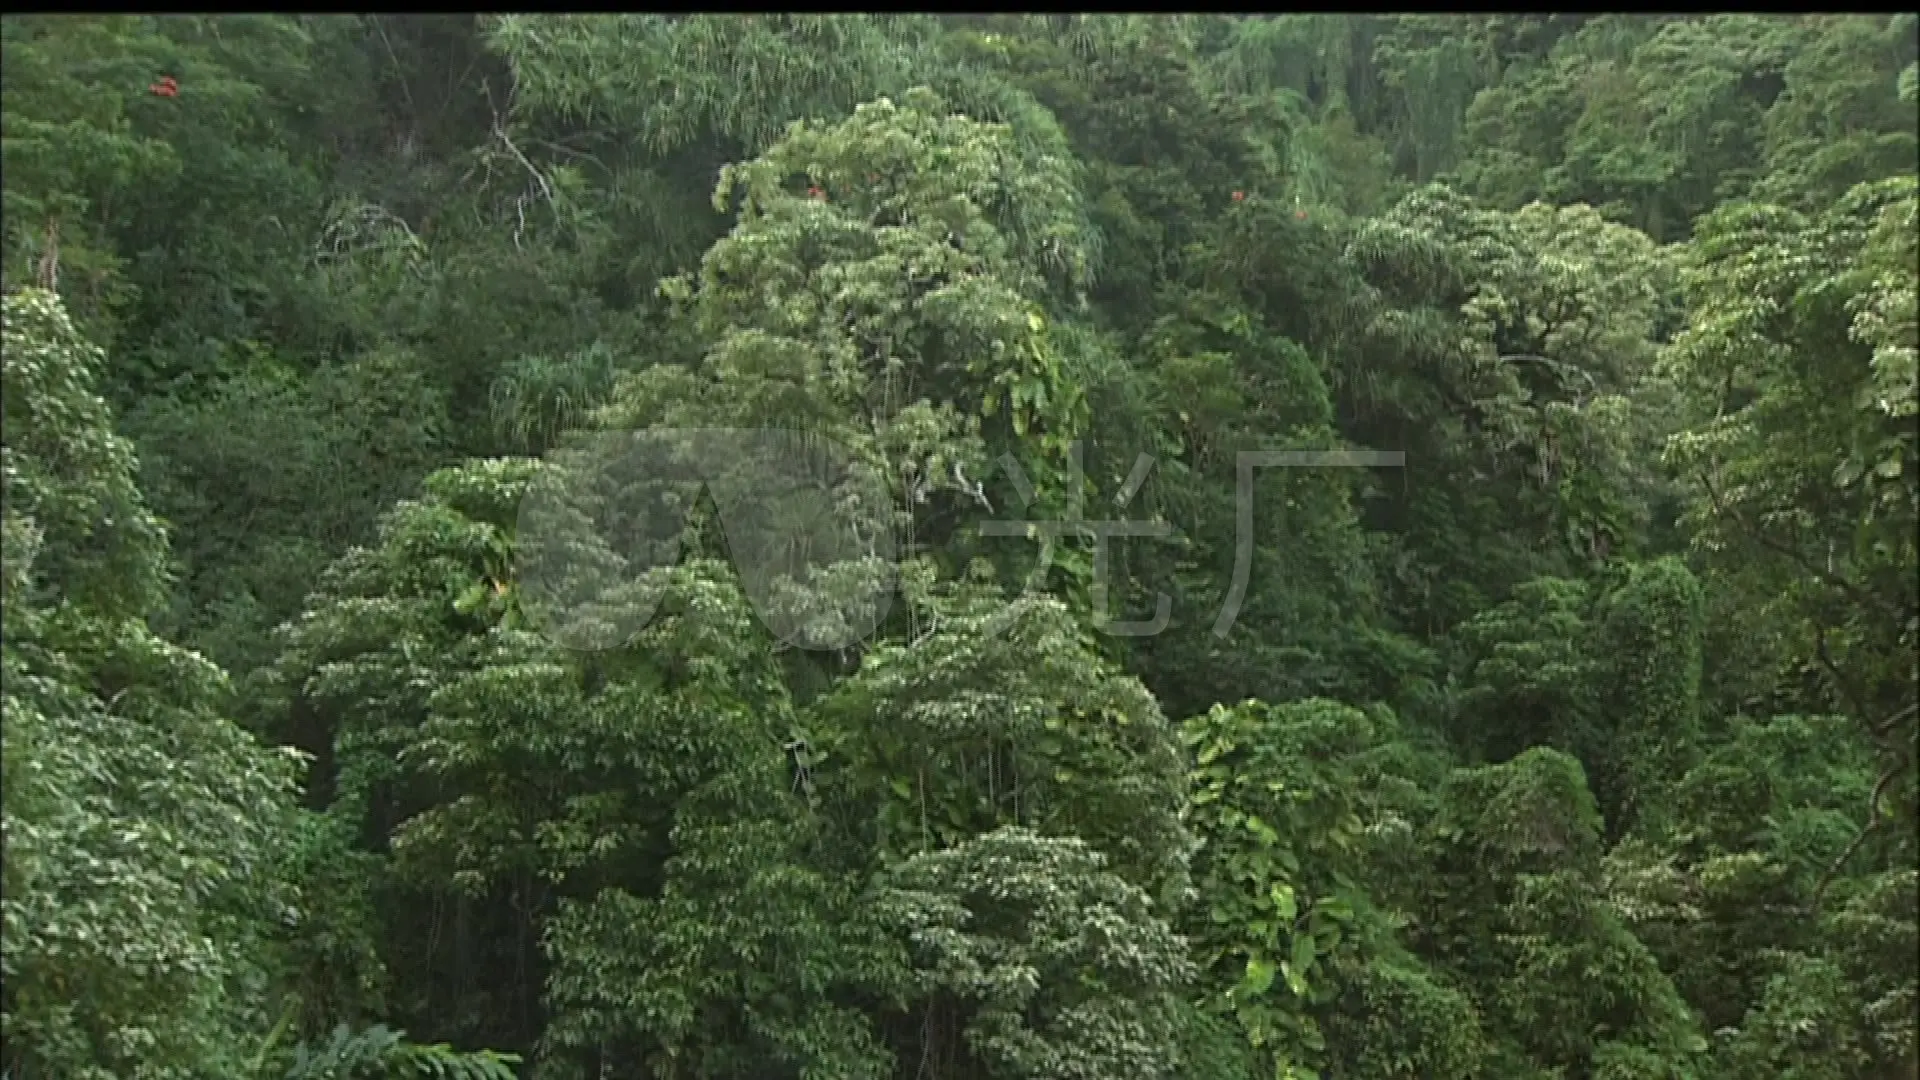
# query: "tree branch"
1845,688
1875,819
1887,725
399,70
1852,591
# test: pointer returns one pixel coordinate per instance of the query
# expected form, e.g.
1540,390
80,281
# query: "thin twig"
47,273
581,154
1874,820
1833,672
546,187
1887,725
399,72
1853,591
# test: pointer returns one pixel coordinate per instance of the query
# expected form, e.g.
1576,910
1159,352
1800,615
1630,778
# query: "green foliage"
909,302
1658,120
1285,931
1802,444
1502,351
1613,678
1581,745
1517,912
144,829
1007,717
379,1051
1839,120
730,71
294,470
1060,967
1766,811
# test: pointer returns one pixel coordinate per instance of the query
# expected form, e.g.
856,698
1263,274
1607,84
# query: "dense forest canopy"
409,669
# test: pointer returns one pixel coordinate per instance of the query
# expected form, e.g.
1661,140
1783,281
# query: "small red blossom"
816,193
1300,214
1239,196
166,87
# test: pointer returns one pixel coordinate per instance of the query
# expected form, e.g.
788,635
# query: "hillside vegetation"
1574,742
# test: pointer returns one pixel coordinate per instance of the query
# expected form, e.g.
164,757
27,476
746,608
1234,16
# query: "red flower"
816,193
166,87
1301,214
1239,196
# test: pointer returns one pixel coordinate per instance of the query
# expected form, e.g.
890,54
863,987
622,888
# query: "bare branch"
399,72
47,272
1887,725
539,178
1875,819
1840,683
1853,592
